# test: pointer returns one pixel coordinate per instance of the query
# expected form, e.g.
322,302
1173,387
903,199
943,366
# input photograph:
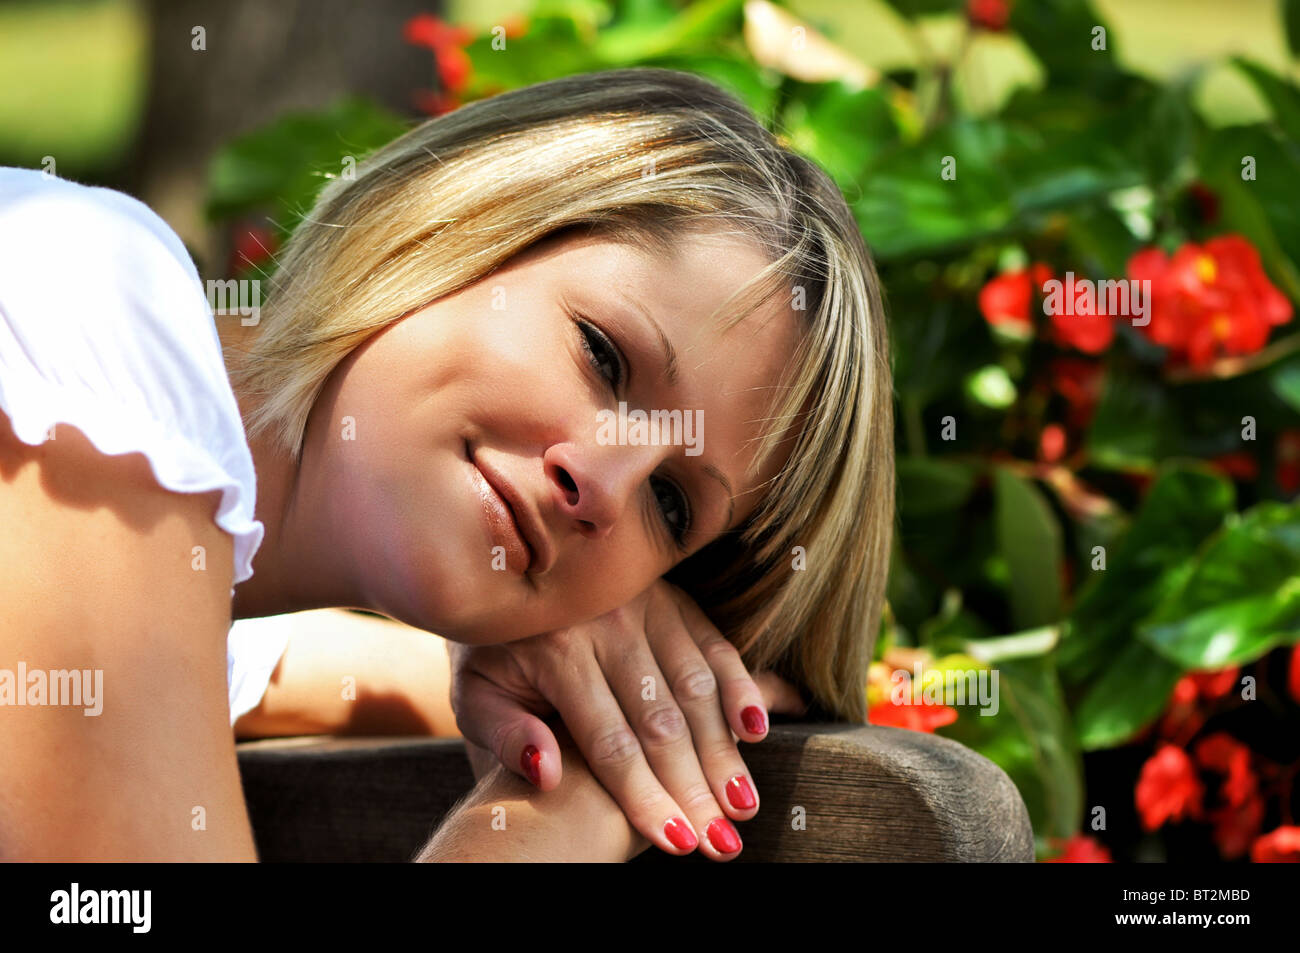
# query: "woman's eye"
673,507
601,353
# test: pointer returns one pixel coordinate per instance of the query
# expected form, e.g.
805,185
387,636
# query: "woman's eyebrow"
670,352
670,371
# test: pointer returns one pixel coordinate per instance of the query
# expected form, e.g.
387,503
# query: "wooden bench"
830,792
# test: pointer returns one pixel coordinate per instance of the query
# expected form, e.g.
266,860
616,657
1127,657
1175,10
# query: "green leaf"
1291,16
1032,739
555,45
1285,381
1135,424
976,178
1060,33
1241,597
917,8
927,485
1029,538
282,166
635,40
1128,696
1264,210
842,129
1283,97
1185,504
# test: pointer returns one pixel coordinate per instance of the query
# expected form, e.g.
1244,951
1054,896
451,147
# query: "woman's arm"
507,819
124,753
351,673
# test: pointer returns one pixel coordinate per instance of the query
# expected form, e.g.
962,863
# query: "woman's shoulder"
104,325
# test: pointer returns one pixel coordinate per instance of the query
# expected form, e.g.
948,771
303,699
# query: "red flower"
1281,846
1224,754
1213,685
427,30
1079,381
1288,463
1182,717
1083,326
1051,443
1208,300
1168,788
1236,827
1081,849
1005,300
916,716
447,42
253,246
1239,465
988,14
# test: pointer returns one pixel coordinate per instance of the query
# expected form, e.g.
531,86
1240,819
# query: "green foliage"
1122,564
283,167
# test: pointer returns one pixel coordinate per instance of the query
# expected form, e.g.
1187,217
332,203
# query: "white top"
104,325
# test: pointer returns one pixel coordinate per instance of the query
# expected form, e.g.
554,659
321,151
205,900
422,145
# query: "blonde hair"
637,155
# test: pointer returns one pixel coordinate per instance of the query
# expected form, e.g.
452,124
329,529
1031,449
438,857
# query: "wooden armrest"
864,793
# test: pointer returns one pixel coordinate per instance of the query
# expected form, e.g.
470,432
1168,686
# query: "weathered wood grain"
865,794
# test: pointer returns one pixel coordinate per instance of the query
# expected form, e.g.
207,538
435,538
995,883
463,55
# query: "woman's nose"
594,485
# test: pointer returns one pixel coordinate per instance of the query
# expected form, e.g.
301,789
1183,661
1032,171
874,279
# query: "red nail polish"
740,794
754,719
679,834
532,764
723,836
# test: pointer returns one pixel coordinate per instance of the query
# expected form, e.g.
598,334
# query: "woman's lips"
501,524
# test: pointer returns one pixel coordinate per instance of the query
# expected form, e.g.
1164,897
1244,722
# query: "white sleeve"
253,649
104,325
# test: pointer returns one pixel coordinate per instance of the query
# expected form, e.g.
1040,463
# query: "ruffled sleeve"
104,325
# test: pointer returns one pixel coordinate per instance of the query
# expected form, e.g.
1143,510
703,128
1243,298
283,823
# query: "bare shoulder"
114,604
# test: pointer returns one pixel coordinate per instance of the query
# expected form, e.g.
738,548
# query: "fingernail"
754,720
679,834
723,836
532,764
740,794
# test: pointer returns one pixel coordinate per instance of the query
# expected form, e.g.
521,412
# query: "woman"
425,400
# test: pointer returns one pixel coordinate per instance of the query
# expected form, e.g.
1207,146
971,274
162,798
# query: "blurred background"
1104,514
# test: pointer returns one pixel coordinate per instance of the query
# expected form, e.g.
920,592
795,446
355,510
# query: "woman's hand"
651,693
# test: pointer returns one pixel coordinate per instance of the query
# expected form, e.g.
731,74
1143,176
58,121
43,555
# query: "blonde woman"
417,426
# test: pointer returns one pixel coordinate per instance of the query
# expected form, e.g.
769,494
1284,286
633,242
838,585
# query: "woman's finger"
742,701
652,699
573,681
520,740
695,686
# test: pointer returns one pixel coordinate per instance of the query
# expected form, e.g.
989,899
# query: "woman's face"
515,383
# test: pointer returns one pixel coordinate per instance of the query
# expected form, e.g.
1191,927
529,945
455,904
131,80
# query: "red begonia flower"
1209,300
1281,846
989,14
915,717
1168,788
1081,849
